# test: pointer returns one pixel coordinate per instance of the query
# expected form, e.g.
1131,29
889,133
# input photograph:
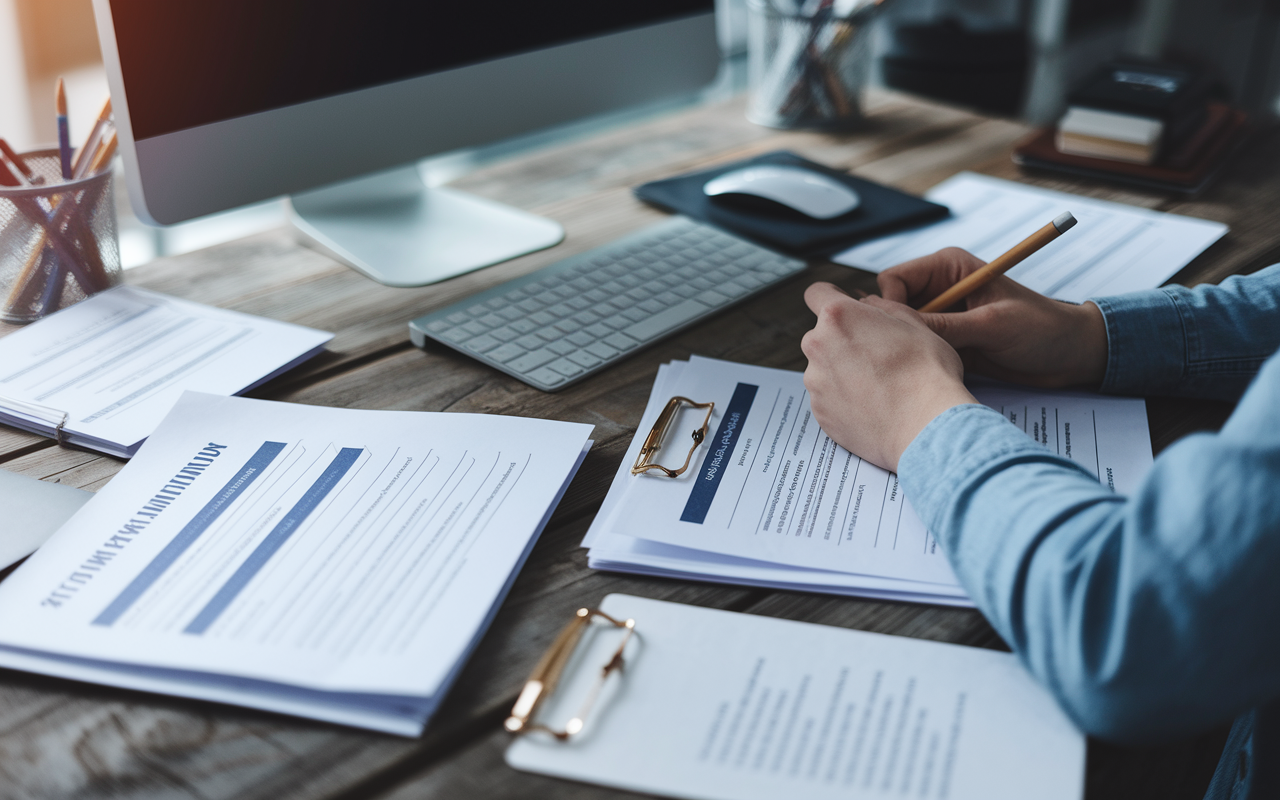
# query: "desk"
61,739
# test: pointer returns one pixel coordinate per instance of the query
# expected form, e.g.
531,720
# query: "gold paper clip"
661,425
549,669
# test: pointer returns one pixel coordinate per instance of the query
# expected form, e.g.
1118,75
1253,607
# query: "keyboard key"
586,317
546,376
530,341
584,359
477,311
437,326
481,344
510,313
567,326
503,334
530,305
475,328
712,298
671,318
531,361
497,304
581,339
542,318
524,325
652,306
563,347
492,321
621,341
616,322
600,330
561,311
457,318
505,353
602,350
455,335
596,296
635,314
566,367
701,284
550,334
578,303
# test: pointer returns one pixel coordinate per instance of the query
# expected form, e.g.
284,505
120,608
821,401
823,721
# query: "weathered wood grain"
61,739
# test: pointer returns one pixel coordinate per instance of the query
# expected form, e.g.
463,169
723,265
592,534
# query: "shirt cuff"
1146,342
958,446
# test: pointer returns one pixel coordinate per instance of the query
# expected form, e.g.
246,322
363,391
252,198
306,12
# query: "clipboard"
719,705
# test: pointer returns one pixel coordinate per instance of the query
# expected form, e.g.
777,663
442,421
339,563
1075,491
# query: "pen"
1002,264
64,134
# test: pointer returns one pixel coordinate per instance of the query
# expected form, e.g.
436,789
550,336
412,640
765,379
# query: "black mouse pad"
882,210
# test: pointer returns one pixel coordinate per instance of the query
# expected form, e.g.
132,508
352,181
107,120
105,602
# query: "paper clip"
653,442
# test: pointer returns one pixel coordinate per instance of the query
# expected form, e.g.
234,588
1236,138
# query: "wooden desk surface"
63,739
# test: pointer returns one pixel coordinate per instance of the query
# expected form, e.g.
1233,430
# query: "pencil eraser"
1064,223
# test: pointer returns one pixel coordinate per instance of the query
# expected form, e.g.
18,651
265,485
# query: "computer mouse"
808,192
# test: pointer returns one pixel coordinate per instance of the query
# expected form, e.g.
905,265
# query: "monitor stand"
397,231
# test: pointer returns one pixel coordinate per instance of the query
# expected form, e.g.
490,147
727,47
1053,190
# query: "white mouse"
802,190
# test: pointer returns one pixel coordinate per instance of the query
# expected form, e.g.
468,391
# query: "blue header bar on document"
280,534
719,455
186,537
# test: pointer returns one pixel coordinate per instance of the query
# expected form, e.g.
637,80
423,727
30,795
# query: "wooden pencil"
1016,255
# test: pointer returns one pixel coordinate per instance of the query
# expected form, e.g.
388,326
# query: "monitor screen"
189,64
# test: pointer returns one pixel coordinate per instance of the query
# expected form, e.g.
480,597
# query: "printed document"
103,372
771,500
1114,249
716,705
319,549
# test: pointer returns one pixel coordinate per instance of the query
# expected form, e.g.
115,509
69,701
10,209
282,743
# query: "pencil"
64,133
18,162
84,156
1002,264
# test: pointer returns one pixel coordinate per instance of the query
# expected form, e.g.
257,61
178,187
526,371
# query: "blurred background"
1015,58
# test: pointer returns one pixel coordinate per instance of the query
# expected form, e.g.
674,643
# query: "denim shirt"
1155,615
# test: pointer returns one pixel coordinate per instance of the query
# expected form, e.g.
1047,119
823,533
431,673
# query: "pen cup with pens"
58,242
808,61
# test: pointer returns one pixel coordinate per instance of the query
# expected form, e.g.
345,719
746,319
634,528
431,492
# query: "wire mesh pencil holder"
58,241
807,69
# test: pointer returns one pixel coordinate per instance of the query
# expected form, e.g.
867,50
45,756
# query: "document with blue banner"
769,499
328,563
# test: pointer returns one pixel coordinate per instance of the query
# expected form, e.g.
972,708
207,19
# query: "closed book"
1111,135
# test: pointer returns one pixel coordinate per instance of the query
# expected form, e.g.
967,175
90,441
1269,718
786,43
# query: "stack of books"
1154,126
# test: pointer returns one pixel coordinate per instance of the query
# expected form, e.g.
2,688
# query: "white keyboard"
573,318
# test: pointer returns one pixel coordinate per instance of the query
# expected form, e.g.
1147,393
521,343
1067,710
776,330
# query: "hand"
1007,331
877,375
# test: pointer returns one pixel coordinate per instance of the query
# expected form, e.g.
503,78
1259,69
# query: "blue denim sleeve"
1203,342
1148,616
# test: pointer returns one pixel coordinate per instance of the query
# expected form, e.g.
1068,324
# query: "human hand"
877,375
1007,331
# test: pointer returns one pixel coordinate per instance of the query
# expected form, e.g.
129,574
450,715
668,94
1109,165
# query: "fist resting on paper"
877,375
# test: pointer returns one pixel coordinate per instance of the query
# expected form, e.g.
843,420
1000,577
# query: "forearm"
1129,610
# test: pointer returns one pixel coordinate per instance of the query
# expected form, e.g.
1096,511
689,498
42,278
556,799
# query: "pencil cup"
58,242
807,70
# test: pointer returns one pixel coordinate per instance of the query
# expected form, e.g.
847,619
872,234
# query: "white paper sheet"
1114,249
722,706
354,552
116,363
638,528
33,511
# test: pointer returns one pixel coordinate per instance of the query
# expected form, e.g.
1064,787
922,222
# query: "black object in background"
986,70
1177,96
882,210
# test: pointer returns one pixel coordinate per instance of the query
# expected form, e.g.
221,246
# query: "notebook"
100,374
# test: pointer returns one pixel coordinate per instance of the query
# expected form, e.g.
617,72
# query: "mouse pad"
882,210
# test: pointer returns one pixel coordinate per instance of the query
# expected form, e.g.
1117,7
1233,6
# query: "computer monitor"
221,103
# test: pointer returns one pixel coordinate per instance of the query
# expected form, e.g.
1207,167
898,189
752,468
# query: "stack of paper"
322,562
103,372
771,500
1114,249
